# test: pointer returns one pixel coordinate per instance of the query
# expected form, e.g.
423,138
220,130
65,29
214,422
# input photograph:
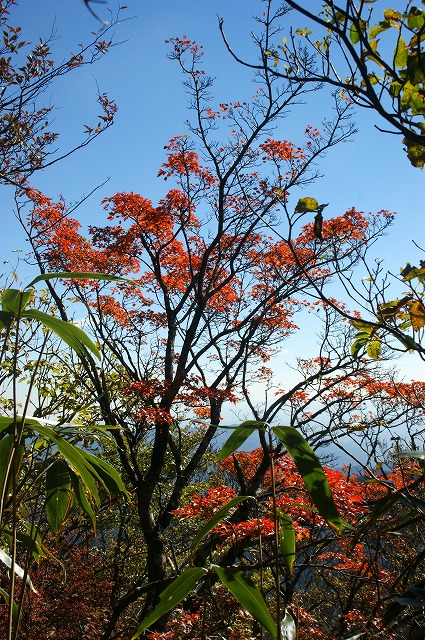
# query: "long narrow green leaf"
81,498
287,540
312,473
79,275
420,455
171,596
15,609
73,456
238,437
216,518
248,594
107,475
75,337
59,495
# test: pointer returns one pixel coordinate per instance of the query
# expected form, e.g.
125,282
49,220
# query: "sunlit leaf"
373,349
354,34
312,473
306,204
171,596
238,437
417,314
401,53
7,560
79,275
75,337
14,300
248,594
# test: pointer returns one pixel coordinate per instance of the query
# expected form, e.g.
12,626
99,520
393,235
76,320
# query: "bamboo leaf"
248,594
312,474
75,337
81,498
14,301
15,608
59,496
74,457
216,518
7,560
79,275
172,595
238,437
420,455
287,540
106,474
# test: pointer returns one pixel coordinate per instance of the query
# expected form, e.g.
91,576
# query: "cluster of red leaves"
349,496
72,603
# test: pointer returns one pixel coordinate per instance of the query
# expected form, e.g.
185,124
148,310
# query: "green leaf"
373,349
14,301
363,327
357,345
401,53
79,275
354,34
216,518
306,204
173,594
15,608
248,594
312,473
107,475
5,319
238,437
379,28
420,455
7,446
81,498
75,337
74,457
415,19
59,496
287,541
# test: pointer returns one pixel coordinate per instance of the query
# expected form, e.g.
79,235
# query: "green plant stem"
276,539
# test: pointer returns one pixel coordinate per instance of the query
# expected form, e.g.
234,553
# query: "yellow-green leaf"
417,314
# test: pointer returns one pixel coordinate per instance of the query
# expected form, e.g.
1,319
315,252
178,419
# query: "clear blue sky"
370,173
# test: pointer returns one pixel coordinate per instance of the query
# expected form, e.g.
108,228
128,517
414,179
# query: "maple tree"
220,267
222,270
27,70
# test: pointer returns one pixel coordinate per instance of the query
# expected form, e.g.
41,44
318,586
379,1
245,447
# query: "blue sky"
370,172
